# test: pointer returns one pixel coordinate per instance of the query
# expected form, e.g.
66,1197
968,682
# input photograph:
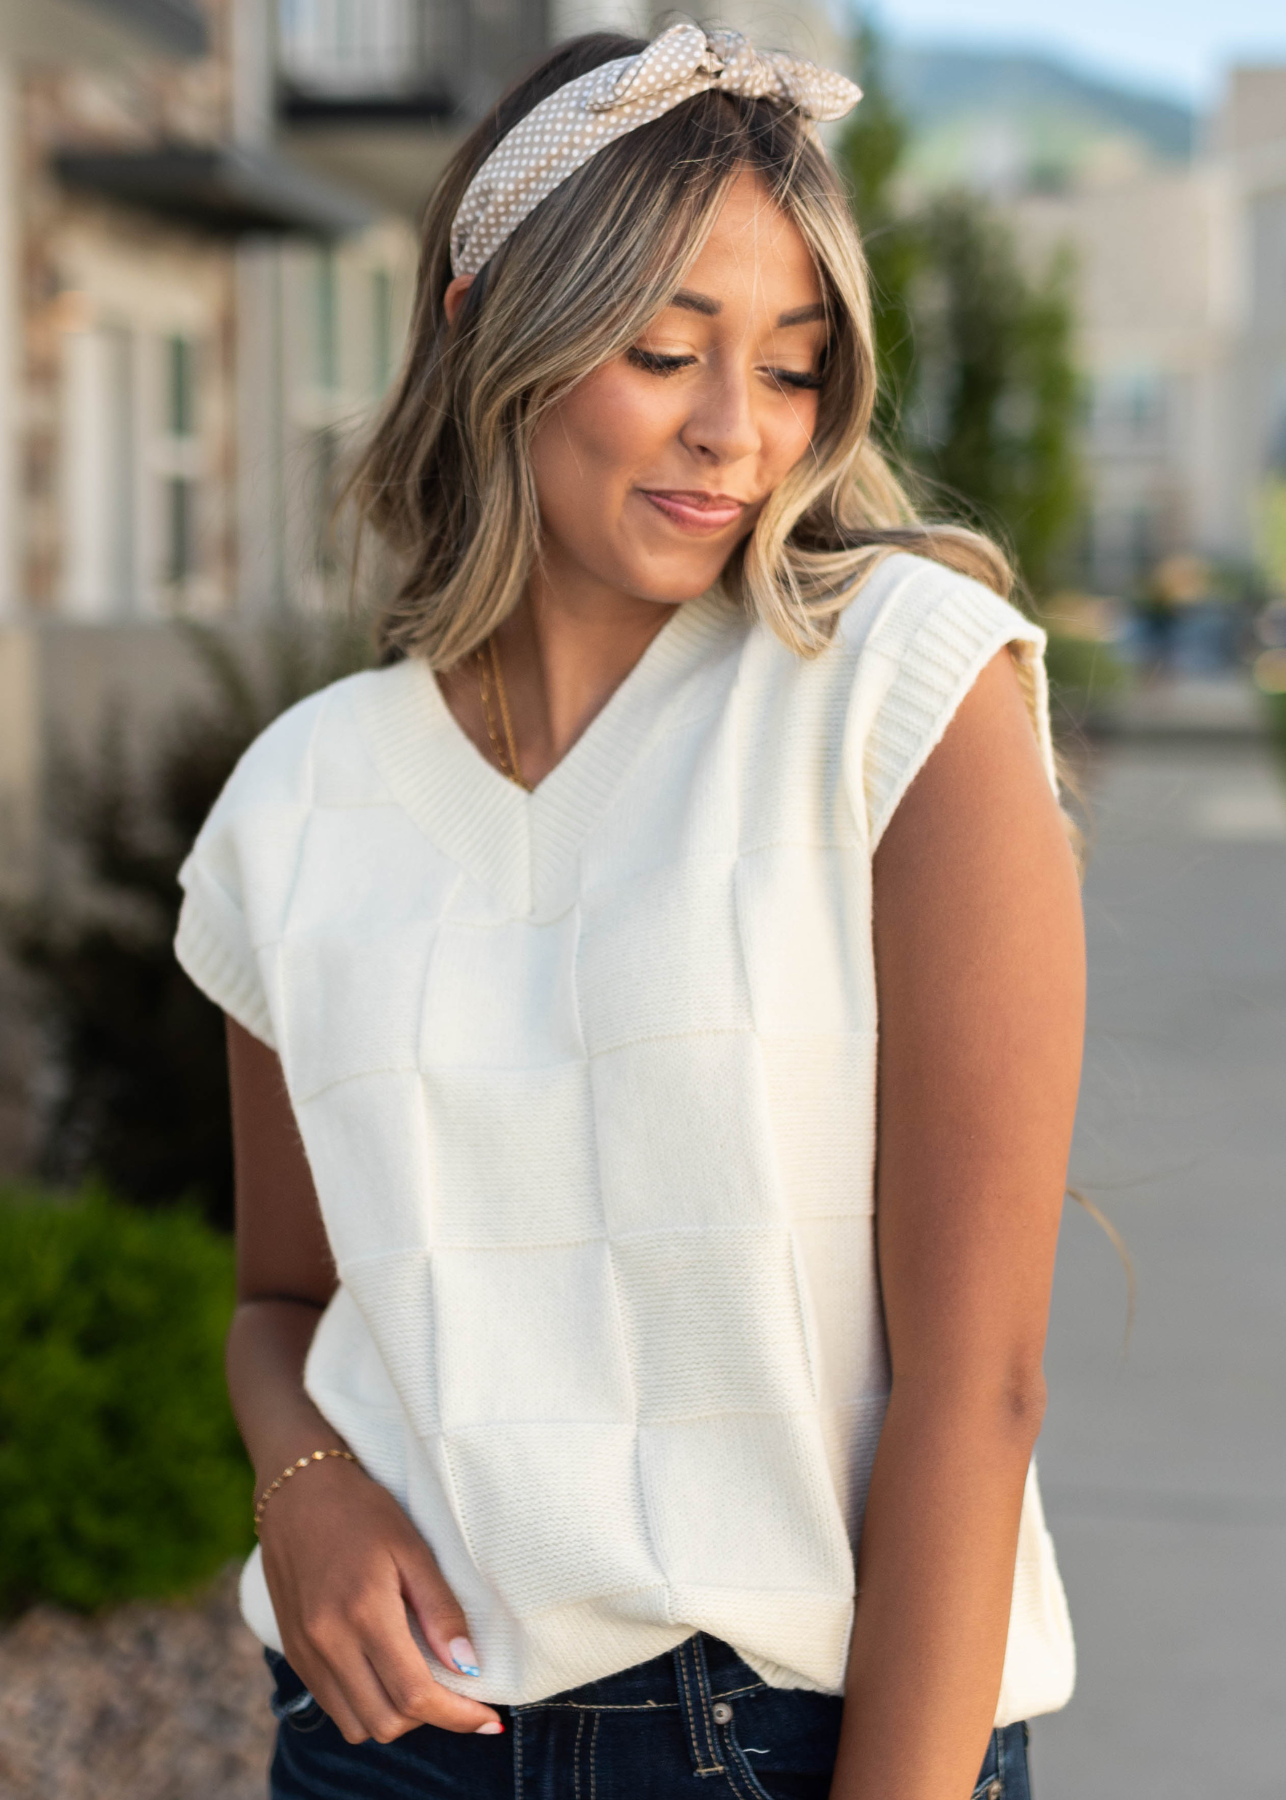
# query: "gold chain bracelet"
303,1463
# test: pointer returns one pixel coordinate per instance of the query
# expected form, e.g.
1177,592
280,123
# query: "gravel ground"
146,1703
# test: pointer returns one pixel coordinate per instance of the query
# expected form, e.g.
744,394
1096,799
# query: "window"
179,509
381,328
99,473
178,548
181,387
326,321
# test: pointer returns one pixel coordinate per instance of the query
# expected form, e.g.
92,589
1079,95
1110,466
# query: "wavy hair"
445,480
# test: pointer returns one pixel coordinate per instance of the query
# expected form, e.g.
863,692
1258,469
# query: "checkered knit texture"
586,1079
556,137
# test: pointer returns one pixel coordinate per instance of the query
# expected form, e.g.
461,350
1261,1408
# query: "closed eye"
657,364
796,378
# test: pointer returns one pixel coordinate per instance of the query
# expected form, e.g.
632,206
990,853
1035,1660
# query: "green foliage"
121,1473
979,396
873,148
142,1100
1274,712
1082,673
995,348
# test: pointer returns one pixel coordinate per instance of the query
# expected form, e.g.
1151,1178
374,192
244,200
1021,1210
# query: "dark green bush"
1082,674
121,1473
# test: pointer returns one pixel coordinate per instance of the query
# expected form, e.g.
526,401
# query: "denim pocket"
291,1702
779,1743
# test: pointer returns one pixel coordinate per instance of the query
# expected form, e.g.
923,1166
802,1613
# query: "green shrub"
1273,709
121,1473
1082,673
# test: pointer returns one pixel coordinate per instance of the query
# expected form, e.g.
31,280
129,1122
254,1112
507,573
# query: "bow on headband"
557,137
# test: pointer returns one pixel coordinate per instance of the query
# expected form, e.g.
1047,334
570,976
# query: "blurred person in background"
641,1362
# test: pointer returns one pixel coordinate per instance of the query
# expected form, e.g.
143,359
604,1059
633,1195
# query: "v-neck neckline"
516,841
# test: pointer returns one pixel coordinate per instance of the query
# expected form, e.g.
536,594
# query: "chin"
677,588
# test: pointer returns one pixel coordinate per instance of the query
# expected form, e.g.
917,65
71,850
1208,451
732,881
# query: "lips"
695,510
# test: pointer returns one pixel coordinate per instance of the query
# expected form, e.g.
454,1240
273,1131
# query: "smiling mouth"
695,510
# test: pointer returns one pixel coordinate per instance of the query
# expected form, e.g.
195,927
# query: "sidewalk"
1164,1466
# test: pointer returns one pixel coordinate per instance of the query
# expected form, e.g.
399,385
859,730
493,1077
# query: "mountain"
1017,119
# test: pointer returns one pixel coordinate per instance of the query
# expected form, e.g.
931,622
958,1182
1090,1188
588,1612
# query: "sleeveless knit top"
586,1081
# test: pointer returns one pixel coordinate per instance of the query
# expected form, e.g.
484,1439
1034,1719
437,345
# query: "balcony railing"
387,59
176,26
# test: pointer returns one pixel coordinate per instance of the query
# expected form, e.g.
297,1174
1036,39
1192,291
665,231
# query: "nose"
722,427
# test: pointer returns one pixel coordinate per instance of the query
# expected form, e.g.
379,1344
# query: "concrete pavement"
1164,1463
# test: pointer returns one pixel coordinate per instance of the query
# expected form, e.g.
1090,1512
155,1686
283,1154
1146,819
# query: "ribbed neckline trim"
512,841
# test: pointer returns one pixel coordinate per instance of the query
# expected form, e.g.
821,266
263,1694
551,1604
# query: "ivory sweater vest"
586,1080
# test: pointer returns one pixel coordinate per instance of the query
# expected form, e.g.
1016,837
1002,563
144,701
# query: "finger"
408,1681
341,1678
327,1690
380,1626
438,1612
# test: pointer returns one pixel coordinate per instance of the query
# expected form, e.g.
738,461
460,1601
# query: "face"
651,470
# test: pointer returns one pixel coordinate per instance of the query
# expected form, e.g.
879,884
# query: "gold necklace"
489,673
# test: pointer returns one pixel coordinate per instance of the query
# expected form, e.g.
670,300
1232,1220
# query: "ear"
453,299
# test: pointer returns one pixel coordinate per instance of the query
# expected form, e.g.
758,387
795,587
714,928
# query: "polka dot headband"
557,137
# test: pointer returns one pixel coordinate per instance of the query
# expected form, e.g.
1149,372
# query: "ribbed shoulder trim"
209,928
927,645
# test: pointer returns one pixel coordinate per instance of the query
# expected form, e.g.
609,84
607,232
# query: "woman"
585,1397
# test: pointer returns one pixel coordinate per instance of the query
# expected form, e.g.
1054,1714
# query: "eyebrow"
702,303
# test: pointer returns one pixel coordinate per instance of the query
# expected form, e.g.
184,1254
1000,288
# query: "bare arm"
342,1560
979,962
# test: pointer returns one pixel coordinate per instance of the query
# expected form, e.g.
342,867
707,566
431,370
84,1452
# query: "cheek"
788,438
594,440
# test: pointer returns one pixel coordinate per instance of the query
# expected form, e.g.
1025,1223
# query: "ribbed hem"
937,659
219,961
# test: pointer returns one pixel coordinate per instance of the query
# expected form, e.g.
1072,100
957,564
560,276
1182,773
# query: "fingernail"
464,1656
492,1728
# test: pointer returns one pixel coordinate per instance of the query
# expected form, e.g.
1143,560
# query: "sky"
1177,47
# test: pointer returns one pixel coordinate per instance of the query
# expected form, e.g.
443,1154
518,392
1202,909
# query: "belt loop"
694,1699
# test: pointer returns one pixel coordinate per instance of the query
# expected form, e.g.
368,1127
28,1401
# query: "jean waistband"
660,1682
695,1678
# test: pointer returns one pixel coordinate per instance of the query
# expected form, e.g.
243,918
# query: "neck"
564,652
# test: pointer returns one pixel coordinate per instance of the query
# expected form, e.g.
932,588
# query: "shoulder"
241,872
282,765
910,604
311,755
919,634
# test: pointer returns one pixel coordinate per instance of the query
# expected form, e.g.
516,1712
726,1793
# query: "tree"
979,392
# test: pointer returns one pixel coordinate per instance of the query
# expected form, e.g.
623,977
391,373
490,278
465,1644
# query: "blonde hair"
446,481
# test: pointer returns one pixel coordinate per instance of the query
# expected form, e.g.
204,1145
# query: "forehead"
754,249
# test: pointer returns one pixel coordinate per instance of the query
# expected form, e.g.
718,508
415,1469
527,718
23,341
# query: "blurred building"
1180,277
207,254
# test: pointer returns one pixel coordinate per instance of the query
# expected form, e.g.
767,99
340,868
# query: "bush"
1082,674
121,1472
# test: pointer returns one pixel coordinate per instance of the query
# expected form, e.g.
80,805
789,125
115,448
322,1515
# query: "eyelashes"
655,363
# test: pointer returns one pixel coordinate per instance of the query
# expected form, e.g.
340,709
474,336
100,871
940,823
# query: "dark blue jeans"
641,1735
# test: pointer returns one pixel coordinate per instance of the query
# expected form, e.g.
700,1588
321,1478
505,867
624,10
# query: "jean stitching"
713,1747
702,1767
680,1661
593,1760
753,1687
516,1722
534,1706
580,1727
745,1784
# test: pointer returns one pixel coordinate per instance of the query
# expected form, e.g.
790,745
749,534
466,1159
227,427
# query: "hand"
343,1564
